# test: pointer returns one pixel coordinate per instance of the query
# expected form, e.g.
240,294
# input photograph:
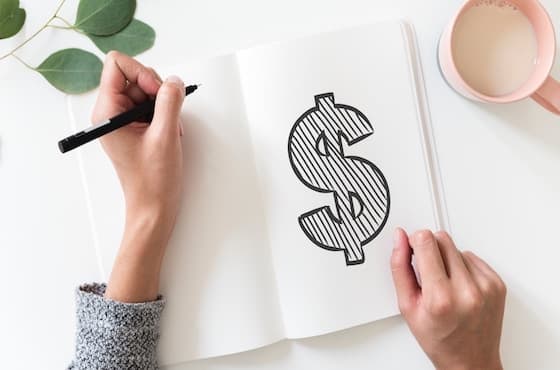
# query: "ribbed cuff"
115,335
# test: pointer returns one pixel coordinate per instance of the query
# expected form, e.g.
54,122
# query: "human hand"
147,158
456,312
149,163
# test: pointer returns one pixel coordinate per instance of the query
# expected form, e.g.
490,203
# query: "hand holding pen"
148,159
144,112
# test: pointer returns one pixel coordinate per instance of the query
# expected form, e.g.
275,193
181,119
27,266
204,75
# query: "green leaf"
12,18
73,71
104,17
7,8
132,40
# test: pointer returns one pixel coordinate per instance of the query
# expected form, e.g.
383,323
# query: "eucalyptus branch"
75,70
55,15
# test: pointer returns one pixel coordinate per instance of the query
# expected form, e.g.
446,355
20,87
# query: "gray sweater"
114,335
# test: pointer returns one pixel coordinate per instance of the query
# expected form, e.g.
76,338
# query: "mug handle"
548,95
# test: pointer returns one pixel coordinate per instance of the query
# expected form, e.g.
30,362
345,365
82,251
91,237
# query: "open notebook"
302,157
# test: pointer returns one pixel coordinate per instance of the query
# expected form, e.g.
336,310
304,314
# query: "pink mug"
539,86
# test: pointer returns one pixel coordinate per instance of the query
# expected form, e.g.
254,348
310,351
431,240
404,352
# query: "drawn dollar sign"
361,193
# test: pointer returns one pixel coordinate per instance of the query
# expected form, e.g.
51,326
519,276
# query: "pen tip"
190,89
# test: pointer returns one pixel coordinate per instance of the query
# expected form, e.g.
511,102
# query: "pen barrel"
144,112
84,137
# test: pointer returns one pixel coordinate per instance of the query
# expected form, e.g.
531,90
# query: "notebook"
301,159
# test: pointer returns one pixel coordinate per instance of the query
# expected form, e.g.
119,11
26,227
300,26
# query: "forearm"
136,270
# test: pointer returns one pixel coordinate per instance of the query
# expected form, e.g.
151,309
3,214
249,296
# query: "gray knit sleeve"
114,335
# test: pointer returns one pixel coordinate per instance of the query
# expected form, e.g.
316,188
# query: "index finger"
120,70
428,259
121,75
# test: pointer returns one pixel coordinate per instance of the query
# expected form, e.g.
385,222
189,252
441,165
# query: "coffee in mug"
500,51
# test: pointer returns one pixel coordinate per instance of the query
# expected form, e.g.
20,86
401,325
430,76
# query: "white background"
500,167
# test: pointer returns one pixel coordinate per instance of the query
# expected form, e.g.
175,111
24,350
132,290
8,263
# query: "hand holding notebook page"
302,157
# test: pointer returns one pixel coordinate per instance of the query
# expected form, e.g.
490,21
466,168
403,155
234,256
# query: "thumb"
169,101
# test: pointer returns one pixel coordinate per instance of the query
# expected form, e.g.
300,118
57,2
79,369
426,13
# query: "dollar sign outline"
360,190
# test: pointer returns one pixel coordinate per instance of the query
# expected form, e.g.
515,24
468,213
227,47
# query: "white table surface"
500,167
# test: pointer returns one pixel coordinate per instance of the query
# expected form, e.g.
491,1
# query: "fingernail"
175,80
423,236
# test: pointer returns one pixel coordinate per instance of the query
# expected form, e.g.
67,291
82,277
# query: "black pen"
144,111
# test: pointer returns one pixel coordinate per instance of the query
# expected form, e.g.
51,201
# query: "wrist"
136,270
494,365
152,223
159,205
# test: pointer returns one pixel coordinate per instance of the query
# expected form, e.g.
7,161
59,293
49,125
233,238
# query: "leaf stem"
55,15
59,27
58,9
70,25
24,63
